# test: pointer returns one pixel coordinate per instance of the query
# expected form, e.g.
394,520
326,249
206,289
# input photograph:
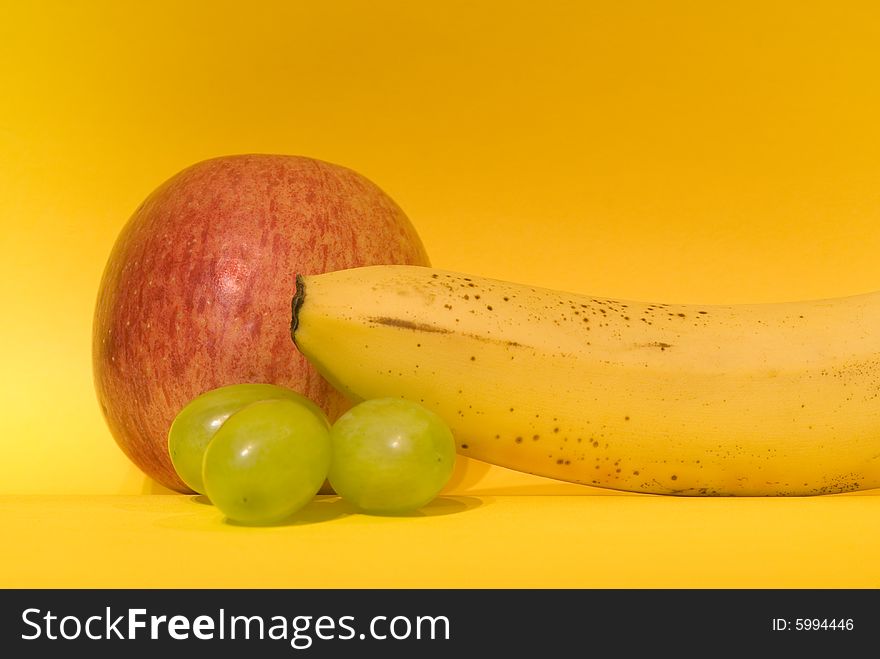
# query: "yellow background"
672,151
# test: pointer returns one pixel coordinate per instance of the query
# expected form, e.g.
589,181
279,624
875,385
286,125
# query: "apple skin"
197,289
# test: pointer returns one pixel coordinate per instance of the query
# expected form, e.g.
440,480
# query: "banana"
765,399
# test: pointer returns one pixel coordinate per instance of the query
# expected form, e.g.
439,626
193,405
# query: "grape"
195,425
390,455
267,460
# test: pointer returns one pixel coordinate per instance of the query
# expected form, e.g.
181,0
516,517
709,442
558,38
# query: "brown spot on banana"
408,324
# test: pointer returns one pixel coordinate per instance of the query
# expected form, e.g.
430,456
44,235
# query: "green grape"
390,455
267,460
195,425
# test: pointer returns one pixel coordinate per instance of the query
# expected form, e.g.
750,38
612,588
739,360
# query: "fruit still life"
270,327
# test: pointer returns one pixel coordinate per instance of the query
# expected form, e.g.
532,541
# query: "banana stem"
298,297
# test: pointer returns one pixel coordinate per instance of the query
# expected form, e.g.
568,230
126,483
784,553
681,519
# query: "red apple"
196,292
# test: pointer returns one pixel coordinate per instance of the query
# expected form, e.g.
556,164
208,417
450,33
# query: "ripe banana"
750,399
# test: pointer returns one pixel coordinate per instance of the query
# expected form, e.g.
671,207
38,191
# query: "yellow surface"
676,151
617,541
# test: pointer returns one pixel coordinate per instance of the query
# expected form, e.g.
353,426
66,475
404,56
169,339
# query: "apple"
197,289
